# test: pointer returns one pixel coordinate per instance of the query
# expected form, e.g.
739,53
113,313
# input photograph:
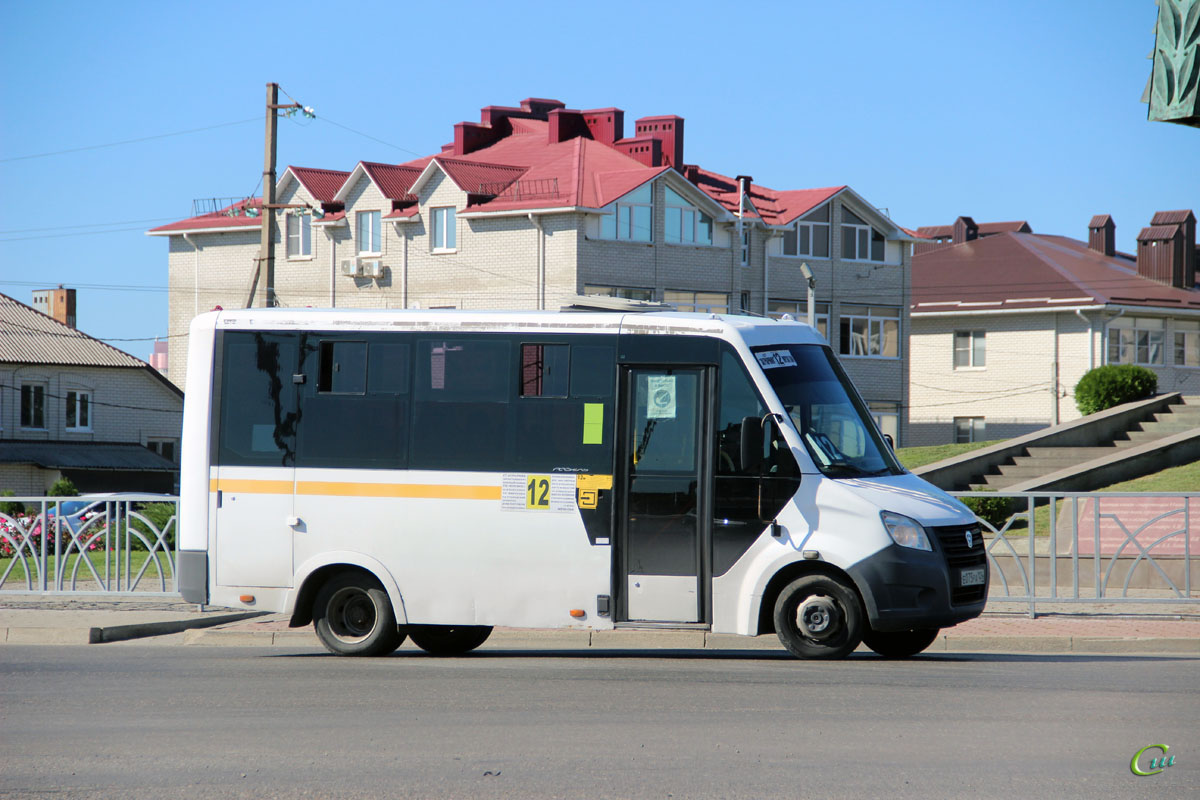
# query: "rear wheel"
819,617
449,640
900,644
353,616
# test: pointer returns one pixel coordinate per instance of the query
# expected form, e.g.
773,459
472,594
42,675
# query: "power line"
86,225
96,402
368,136
70,235
127,141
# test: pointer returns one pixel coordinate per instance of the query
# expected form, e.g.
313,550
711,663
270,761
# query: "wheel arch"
790,572
314,572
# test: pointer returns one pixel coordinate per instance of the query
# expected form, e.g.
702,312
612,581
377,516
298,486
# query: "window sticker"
660,397
770,359
522,492
593,423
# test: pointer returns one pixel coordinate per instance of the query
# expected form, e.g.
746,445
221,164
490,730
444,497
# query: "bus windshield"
830,417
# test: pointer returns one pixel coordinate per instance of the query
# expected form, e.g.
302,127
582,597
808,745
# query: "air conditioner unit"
350,267
372,268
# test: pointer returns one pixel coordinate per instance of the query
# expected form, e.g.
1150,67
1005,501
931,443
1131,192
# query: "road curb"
699,640
116,633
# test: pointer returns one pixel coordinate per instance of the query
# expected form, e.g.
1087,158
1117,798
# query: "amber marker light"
246,598
578,613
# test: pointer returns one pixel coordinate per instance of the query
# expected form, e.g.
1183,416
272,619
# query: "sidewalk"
1109,628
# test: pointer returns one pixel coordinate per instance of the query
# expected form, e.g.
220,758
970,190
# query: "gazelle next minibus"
432,474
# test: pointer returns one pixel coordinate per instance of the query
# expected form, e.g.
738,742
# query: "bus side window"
258,415
738,400
356,412
563,414
461,404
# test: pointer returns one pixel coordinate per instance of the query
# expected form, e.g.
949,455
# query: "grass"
16,578
1175,479
913,457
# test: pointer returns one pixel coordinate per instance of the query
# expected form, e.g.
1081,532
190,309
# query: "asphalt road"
146,721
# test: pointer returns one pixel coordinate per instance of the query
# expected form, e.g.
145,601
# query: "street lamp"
812,294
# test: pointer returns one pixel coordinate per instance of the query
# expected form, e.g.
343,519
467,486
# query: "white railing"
1091,547
91,544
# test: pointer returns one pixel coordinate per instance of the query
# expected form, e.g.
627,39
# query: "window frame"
373,228
809,223
1185,336
35,403
845,320
1132,336
443,234
694,306
697,221
975,352
302,236
626,292
71,403
613,211
976,429
799,311
864,235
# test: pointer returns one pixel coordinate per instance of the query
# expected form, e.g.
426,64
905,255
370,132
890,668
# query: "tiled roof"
243,214
322,184
1038,272
1171,217
393,180
1158,233
479,178
28,336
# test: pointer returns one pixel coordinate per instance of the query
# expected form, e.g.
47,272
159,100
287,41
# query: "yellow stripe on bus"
348,489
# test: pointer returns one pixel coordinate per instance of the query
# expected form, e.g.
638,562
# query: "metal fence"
92,544
1090,547
1042,547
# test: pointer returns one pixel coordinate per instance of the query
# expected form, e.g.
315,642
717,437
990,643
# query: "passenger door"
664,521
255,459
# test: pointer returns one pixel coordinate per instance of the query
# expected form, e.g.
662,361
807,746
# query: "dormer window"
684,223
809,235
629,217
860,242
367,230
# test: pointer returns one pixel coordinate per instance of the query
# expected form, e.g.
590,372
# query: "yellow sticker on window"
593,423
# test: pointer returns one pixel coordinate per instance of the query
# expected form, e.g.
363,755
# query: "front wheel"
353,616
819,617
900,644
449,640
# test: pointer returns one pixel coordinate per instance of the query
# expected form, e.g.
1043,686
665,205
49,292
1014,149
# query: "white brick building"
1005,322
73,406
536,204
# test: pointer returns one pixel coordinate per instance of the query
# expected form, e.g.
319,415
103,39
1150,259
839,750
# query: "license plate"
972,577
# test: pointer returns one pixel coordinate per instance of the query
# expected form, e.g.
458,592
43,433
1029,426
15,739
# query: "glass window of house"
809,236
869,331
1187,342
1136,340
970,349
630,217
684,223
367,230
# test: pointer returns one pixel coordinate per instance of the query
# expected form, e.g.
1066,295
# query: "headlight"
904,531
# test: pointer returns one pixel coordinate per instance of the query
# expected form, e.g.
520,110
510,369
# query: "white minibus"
431,474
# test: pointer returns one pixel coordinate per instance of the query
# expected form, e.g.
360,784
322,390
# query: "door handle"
293,522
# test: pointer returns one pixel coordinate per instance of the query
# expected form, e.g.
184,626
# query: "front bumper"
905,588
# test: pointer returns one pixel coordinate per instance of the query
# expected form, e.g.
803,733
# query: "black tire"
448,640
353,616
832,623
900,644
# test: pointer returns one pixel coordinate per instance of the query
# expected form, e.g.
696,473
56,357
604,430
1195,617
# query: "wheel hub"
818,617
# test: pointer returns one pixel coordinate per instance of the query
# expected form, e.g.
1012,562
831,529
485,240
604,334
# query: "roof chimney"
56,303
606,124
1160,254
1186,221
668,129
965,230
1102,235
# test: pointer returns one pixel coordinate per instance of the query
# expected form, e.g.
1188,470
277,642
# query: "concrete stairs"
1099,450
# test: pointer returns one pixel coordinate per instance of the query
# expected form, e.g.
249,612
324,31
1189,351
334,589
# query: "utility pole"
266,263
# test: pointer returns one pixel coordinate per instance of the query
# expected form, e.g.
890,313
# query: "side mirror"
887,437
751,444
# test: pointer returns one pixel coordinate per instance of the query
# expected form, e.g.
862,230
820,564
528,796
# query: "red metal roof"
322,184
1158,233
1100,220
235,216
393,180
1171,217
1024,271
1018,226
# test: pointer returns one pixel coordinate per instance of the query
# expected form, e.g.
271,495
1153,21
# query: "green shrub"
995,511
1112,385
63,488
11,508
158,514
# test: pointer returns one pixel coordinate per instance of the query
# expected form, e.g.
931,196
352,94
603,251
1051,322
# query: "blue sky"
997,110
